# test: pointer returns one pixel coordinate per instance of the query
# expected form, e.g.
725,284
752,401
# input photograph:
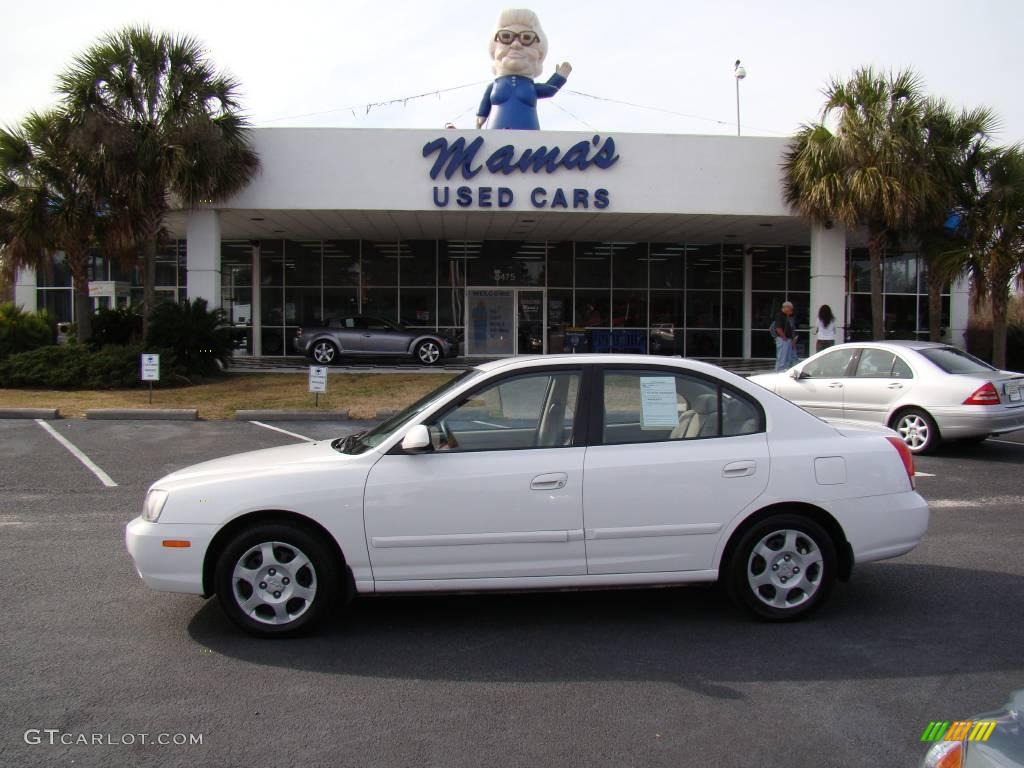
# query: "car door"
499,495
349,334
382,338
819,385
673,457
879,379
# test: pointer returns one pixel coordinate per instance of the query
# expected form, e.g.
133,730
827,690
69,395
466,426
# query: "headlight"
154,505
945,754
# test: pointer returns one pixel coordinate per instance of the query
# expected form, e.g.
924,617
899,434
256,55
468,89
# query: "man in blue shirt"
785,338
518,49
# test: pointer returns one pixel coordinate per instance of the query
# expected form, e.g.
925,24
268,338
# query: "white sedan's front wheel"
275,579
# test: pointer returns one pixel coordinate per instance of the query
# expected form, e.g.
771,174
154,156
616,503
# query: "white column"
828,277
25,295
203,257
959,312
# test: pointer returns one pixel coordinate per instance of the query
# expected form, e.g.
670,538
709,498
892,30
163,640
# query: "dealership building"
517,242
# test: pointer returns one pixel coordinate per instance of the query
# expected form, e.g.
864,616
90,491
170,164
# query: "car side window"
350,322
528,411
831,365
875,364
654,406
900,370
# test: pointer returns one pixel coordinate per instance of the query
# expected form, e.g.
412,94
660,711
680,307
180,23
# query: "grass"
362,394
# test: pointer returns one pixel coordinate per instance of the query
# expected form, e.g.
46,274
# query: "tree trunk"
148,281
876,242
1000,298
935,283
78,264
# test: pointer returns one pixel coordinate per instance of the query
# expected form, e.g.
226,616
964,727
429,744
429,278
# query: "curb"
291,416
166,414
29,413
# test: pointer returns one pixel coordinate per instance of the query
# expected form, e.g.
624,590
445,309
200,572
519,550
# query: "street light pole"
739,72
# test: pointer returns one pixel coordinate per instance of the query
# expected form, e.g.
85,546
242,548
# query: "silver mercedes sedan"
927,392
370,336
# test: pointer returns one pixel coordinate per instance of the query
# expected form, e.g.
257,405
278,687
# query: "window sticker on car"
658,402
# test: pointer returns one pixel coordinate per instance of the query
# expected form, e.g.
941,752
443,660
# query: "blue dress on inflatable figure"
514,99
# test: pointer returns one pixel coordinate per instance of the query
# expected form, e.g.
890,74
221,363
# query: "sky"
638,65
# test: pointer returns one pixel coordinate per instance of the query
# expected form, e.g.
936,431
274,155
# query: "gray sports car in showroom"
370,336
925,391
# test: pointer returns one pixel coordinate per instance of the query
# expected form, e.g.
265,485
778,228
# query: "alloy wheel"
274,583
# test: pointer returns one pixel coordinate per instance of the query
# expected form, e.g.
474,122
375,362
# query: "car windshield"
953,360
364,441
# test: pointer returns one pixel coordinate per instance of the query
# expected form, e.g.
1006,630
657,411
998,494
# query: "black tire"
917,429
428,352
324,352
802,554
289,597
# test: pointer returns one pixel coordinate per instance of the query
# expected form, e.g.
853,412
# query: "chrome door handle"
551,482
836,385
739,469
895,386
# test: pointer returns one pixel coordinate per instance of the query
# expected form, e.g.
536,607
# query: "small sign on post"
151,372
317,381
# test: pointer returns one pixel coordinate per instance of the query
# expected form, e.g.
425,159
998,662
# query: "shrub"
116,326
21,331
200,338
75,366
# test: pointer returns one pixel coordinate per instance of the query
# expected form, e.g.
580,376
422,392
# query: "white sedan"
925,391
541,473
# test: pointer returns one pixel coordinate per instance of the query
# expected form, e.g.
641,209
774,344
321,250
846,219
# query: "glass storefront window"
381,302
704,267
418,307
629,309
593,265
272,263
341,262
769,272
592,309
668,265
560,260
418,263
340,302
380,262
899,273
629,265
302,264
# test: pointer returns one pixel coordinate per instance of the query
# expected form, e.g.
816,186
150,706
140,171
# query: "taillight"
986,394
906,455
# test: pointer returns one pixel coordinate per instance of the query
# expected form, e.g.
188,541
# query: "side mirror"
416,439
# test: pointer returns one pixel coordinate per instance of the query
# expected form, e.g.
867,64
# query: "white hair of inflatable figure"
525,18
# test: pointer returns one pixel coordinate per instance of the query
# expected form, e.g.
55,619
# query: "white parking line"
923,474
103,476
283,431
1005,442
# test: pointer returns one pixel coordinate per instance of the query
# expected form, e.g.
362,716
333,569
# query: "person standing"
785,337
826,328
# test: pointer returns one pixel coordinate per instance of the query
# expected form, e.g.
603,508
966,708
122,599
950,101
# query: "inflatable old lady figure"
518,48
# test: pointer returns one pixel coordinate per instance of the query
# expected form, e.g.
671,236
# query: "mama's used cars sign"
467,160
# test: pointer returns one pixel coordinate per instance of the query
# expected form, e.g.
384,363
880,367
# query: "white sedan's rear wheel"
917,430
782,568
276,579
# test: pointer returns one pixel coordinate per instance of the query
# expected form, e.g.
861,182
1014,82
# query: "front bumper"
169,569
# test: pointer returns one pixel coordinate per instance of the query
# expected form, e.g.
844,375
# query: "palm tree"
995,233
48,203
165,125
870,172
956,149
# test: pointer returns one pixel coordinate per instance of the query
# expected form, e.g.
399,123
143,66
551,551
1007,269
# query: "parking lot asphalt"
672,677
